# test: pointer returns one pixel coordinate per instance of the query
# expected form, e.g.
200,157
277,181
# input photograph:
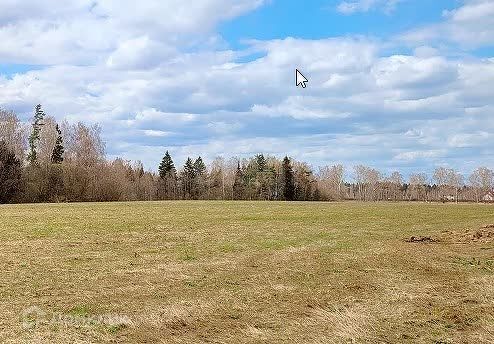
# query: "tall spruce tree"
263,178
238,184
167,168
261,162
199,167
189,170
188,179
288,180
167,188
58,150
200,179
10,174
39,115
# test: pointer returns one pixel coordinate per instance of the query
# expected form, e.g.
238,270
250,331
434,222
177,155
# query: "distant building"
449,198
488,197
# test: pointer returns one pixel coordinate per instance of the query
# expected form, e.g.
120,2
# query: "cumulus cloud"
86,31
143,76
471,26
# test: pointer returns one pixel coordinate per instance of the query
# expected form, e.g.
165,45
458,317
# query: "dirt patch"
483,234
420,239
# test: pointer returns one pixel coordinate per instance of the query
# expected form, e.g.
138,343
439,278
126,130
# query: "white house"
488,197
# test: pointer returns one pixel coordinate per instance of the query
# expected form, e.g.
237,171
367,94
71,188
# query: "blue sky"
320,19
395,84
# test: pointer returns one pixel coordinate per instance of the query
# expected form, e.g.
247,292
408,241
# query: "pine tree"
288,180
167,168
263,177
168,178
238,185
199,167
10,174
199,185
261,162
189,169
39,115
58,150
188,179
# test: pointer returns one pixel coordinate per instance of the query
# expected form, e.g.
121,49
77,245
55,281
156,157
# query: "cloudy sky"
394,84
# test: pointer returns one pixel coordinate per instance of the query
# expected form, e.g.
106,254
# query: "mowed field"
246,272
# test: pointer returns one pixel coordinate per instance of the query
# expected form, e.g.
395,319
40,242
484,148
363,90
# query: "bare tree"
418,186
395,182
84,159
84,144
367,180
441,178
482,180
217,189
456,180
331,180
47,140
13,133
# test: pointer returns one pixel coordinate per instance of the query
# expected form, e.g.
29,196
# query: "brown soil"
484,234
420,240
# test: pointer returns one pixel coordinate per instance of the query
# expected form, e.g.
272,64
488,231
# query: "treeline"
62,162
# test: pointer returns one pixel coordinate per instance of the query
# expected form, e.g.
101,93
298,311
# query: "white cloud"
300,107
137,75
471,26
156,133
351,7
139,53
87,31
463,140
414,155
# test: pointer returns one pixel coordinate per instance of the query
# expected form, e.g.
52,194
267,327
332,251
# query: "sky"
403,85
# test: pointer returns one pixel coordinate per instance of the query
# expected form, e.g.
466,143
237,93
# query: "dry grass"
223,272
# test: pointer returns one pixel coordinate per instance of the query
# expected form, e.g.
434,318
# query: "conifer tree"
261,162
188,179
167,188
167,168
199,186
288,180
39,115
58,150
10,174
238,184
263,177
189,170
199,167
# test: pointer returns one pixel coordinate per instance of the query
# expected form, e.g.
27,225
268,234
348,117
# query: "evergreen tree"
188,179
167,188
238,185
288,180
58,150
39,115
10,174
189,170
199,167
167,168
264,178
261,162
199,190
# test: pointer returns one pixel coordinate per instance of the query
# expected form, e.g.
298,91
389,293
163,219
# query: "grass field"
226,272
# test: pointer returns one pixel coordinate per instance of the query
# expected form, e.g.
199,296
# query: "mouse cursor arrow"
300,80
